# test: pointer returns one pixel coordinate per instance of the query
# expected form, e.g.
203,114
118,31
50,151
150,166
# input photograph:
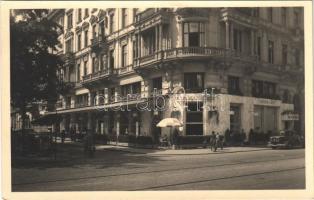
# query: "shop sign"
265,101
290,117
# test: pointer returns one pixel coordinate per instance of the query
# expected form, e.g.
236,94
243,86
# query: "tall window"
124,17
102,29
270,14
193,34
79,38
157,83
111,59
259,47
296,18
70,20
271,52
111,26
69,45
234,85
284,16
284,54
86,13
78,73
85,68
124,55
79,15
86,38
94,31
194,82
149,42
94,65
263,89
237,40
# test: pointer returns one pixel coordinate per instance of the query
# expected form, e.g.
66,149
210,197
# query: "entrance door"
194,118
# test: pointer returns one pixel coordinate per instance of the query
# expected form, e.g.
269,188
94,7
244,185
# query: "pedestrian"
213,141
227,136
242,136
220,141
62,136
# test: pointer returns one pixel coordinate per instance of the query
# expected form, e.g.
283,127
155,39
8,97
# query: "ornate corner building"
118,60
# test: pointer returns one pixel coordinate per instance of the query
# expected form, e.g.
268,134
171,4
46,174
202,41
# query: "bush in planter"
144,140
182,140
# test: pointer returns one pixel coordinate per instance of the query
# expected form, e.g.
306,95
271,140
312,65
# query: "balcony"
99,77
68,58
151,17
98,43
193,53
125,70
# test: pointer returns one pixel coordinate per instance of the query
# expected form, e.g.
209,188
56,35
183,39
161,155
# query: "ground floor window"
194,118
265,119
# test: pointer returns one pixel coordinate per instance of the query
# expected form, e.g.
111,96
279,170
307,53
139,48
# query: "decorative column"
252,42
160,37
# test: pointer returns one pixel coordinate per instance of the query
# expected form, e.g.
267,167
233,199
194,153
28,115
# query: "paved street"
123,170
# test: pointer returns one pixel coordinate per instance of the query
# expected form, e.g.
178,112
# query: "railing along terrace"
96,75
125,69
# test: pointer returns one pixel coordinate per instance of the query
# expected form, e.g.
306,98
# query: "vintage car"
286,139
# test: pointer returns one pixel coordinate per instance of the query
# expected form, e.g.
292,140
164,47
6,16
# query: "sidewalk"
197,151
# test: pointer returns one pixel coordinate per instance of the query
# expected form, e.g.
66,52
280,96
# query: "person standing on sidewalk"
213,141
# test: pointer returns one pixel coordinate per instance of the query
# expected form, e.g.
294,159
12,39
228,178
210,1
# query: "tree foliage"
33,39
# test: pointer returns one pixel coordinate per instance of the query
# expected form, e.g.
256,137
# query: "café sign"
290,117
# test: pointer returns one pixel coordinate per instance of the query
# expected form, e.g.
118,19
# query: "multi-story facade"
118,60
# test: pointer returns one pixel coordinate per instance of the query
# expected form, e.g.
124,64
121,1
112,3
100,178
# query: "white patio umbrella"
169,122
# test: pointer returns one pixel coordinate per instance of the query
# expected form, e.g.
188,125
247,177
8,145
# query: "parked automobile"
286,139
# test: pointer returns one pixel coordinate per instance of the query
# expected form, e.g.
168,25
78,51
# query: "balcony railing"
98,42
193,52
103,74
125,69
68,58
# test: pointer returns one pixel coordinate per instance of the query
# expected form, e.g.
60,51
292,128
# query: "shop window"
194,118
194,82
265,119
193,34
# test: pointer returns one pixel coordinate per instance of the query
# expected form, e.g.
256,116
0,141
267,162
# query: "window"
86,13
296,18
255,12
194,82
234,85
124,55
85,68
79,38
102,29
149,43
94,32
297,56
284,54
111,60
265,118
103,62
124,17
284,16
112,94
135,51
263,89
81,100
157,83
271,52
94,65
286,98
135,11
79,15
131,90
70,20
237,40
270,14
78,73
86,38
259,47
194,118
193,34
69,45
111,26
